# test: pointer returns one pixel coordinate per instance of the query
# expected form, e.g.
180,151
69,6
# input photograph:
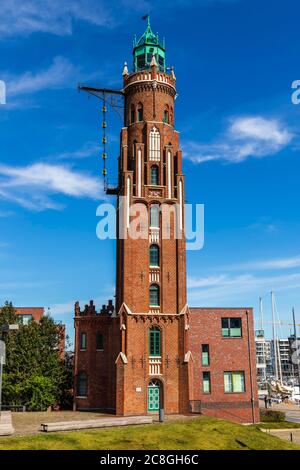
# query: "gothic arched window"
82,384
154,342
154,216
166,115
154,146
154,175
154,255
140,116
154,295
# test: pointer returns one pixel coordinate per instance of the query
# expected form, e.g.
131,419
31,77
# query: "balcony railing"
155,365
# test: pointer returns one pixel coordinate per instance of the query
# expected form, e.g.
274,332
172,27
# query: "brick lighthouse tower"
150,351
151,270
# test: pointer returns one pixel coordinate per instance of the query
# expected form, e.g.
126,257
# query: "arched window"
154,255
154,295
82,384
154,175
154,145
166,115
154,216
140,112
154,342
132,114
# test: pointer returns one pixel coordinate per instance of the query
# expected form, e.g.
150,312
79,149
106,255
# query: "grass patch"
202,433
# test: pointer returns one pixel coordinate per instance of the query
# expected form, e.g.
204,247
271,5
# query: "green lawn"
201,433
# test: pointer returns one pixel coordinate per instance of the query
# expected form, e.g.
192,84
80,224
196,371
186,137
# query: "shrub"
272,416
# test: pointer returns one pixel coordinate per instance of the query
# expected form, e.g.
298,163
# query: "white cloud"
60,74
226,286
246,136
87,150
51,16
31,186
281,263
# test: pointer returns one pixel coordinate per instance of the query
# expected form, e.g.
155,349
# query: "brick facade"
151,300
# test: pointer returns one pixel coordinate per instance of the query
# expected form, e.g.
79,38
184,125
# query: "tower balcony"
155,365
154,235
154,275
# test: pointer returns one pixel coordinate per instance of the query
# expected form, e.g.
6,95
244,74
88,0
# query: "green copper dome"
147,46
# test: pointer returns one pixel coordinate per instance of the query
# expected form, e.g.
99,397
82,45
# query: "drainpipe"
250,367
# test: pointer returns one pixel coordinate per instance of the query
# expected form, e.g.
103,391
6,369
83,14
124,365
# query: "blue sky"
235,62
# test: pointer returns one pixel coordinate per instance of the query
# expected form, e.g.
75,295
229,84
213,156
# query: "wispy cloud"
221,288
31,186
245,137
280,263
52,16
87,150
60,74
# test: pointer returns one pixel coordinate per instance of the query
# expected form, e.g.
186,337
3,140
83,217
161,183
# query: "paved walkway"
291,435
30,422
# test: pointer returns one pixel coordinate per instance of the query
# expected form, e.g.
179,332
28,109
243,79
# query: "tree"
35,375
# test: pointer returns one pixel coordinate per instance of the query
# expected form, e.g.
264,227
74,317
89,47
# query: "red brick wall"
226,354
99,365
36,312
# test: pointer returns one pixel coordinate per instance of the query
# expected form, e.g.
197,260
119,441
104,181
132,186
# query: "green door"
153,396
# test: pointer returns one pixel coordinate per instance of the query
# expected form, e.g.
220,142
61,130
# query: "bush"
272,416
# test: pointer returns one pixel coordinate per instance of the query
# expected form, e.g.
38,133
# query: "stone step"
95,423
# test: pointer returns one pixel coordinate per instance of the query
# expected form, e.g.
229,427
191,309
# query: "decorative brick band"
228,405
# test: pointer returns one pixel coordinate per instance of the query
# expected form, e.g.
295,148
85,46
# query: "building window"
154,175
154,342
140,112
154,295
205,354
232,327
132,114
82,384
83,341
154,256
154,216
206,382
154,146
25,319
166,115
99,341
234,382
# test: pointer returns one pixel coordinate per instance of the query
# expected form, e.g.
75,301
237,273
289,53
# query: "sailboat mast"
274,337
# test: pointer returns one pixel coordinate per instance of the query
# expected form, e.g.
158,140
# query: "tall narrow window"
166,115
154,175
82,384
154,295
140,112
206,382
99,341
154,342
154,255
154,216
154,146
205,354
132,114
83,341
